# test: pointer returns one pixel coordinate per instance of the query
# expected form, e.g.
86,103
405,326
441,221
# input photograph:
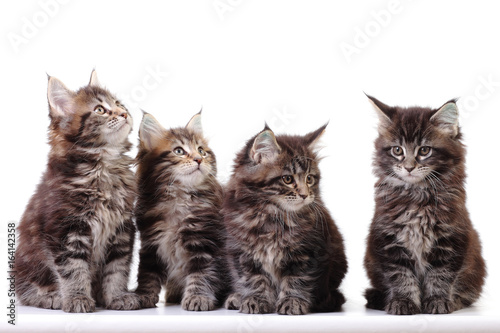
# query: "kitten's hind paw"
233,302
402,307
197,303
125,301
436,305
148,300
292,306
78,304
50,301
254,305
375,299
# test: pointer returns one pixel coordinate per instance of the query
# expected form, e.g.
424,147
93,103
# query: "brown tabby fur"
423,254
76,235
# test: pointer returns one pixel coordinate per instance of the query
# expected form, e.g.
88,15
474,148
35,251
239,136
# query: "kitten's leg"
257,293
72,258
445,261
116,271
151,275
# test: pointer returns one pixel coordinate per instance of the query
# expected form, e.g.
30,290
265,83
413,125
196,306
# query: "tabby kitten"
285,252
423,254
178,216
76,235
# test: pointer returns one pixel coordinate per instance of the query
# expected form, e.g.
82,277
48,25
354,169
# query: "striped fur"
178,216
423,254
76,235
285,252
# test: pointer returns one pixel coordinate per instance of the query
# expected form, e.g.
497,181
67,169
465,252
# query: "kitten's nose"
303,196
409,169
197,159
124,115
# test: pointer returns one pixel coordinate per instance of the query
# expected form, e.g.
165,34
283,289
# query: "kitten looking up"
76,235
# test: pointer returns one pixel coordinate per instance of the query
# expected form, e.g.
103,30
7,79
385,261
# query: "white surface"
278,61
171,318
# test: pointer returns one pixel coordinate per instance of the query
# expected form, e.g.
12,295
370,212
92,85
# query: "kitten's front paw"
125,301
254,305
51,301
233,302
437,305
402,307
292,306
148,300
197,303
78,304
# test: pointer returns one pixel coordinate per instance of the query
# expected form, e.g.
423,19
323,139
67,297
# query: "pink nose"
197,160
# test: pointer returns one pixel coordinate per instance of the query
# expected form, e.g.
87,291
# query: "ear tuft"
150,132
312,138
446,118
384,112
195,124
265,148
60,98
94,81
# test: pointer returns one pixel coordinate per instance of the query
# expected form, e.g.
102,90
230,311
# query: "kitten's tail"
375,299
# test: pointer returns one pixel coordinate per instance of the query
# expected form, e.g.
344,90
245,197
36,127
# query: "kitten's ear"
265,148
446,118
150,132
94,81
195,124
60,98
312,138
384,112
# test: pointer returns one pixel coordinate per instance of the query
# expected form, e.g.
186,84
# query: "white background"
294,64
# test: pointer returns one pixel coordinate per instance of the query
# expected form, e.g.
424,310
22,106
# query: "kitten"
76,235
178,216
423,254
286,254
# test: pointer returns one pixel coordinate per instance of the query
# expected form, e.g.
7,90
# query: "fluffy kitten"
423,254
178,216
286,254
76,235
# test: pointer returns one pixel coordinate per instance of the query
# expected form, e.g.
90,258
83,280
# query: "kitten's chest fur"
169,229
417,234
109,187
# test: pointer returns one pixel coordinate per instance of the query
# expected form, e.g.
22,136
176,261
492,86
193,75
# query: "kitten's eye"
202,152
424,151
287,179
100,109
179,151
397,151
309,180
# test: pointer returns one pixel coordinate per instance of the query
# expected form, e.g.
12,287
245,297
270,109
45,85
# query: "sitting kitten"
178,216
423,254
285,252
76,235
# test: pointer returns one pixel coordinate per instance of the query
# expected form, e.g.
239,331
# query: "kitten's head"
91,116
179,154
281,169
417,146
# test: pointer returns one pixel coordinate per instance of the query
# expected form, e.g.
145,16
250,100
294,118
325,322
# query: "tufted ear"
265,148
94,81
312,138
384,112
446,118
60,98
195,124
151,133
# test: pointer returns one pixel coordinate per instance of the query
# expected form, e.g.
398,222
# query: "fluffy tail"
375,299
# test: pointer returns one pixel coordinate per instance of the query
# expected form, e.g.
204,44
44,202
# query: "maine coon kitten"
285,252
423,254
178,216
76,235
